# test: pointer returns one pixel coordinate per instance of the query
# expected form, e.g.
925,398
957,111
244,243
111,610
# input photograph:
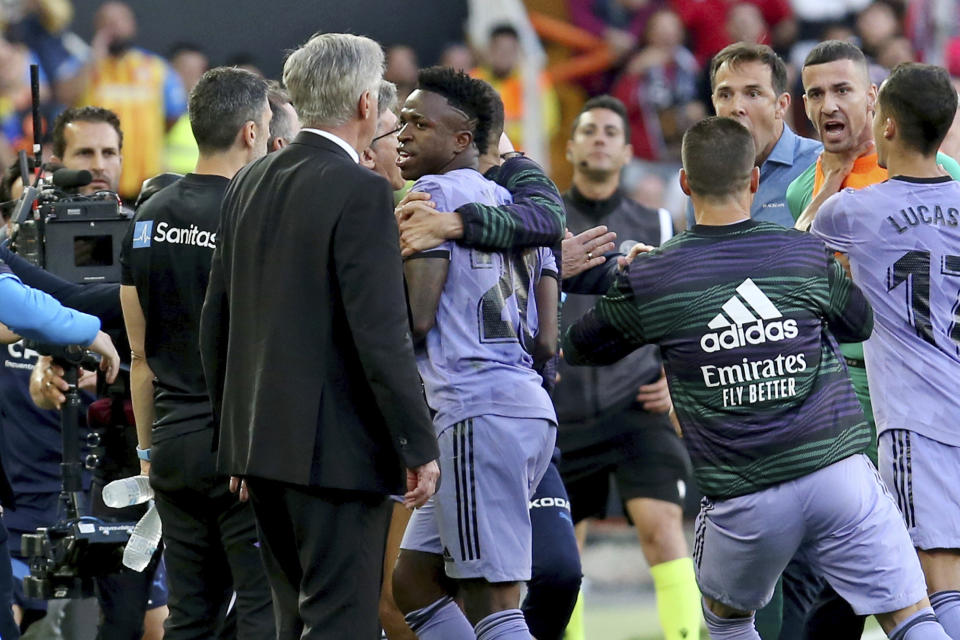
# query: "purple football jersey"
903,240
477,357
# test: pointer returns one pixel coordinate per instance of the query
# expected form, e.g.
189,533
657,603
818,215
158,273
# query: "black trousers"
555,580
812,609
323,551
210,545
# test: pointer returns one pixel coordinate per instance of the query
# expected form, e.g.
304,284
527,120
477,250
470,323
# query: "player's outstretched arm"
609,331
836,167
36,315
535,218
848,314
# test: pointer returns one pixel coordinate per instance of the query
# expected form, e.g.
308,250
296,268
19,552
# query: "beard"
118,46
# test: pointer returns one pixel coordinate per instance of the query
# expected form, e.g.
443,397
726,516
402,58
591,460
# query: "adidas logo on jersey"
749,317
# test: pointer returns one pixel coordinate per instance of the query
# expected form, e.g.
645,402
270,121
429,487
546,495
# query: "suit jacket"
304,331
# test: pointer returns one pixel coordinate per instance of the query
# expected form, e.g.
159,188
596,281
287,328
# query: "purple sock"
922,625
730,628
503,625
946,604
442,620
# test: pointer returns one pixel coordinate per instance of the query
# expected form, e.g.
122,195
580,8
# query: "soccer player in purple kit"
902,238
747,315
481,319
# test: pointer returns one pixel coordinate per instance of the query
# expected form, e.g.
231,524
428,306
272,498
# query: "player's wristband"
143,454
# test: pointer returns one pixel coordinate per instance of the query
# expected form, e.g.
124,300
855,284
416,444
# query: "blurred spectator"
402,67
458,56
190,62
951,144
502,71
139,86
930,24
244,60
876,25
813,16
16,118
659,89
896,50
181,152
706,24
41,25
835,31
649,190
745,24
952,55
620,23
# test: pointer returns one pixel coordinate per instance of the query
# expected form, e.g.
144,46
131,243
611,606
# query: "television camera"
67,556
76,237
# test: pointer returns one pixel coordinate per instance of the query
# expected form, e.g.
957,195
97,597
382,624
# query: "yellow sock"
574,629
678,599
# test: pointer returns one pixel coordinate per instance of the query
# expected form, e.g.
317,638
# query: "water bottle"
127,492
143,541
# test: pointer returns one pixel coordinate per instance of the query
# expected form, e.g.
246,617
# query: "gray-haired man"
307,352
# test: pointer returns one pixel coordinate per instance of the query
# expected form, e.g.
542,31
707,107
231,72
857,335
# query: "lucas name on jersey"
922,214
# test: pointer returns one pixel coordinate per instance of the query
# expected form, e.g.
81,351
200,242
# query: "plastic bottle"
143,541
127,491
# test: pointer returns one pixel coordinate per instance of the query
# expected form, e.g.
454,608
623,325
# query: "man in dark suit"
307,351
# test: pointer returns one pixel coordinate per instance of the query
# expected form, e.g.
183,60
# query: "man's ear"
464,140
754,179
783,103
365,105
806,109
872,98
684,184
248,134
889,128
366,159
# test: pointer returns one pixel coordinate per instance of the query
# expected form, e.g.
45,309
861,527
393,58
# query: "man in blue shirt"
749,84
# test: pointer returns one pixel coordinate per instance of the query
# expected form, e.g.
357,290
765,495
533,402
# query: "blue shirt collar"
782,152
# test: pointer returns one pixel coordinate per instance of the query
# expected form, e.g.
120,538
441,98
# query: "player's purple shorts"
479,519
923,476
840,520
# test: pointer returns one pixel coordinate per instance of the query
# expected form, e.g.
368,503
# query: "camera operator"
32,313
210,538
31,441
133,605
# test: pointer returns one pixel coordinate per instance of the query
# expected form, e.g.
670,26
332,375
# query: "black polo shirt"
166,255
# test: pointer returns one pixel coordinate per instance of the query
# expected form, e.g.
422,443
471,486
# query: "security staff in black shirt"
209,535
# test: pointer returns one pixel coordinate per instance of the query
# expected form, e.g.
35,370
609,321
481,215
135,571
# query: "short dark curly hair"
82,114
464,93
